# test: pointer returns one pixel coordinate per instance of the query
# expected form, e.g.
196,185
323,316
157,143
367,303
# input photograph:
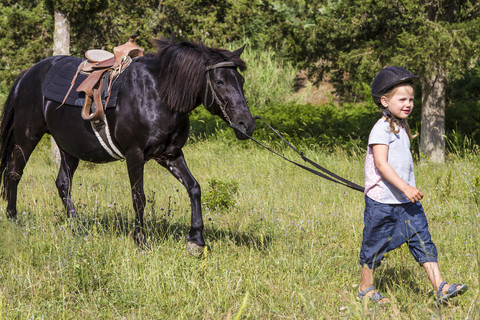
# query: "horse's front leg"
68,165
178,168
135,166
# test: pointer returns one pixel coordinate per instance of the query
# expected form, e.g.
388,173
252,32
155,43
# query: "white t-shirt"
399,157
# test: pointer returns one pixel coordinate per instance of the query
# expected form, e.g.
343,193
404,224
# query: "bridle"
221,105
326,174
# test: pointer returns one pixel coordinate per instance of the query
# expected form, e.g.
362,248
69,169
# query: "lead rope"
327,174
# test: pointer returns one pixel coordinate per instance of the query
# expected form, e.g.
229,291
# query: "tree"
24,38
350,40
61,46
449,34
214,22
26,27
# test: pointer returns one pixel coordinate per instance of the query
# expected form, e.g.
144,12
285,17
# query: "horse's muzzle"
244,128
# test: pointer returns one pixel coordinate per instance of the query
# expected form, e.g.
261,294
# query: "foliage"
476,190
106,24
76,8
328,126
212,21
463,106
25,30
221,195
269,79
335,38
331,126
351,40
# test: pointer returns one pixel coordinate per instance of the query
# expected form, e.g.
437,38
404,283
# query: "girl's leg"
367,282
367,278
448,291
433,272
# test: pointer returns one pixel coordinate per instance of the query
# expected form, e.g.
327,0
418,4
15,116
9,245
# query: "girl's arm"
380,156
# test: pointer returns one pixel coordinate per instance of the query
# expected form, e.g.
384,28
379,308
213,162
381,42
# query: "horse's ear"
238,52
204,50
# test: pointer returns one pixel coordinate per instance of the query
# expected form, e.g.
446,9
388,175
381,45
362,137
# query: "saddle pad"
59,78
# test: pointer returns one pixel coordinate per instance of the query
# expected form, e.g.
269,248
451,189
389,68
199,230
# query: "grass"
269,79
288,249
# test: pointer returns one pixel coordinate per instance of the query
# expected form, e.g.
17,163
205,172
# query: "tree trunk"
61,46
432,139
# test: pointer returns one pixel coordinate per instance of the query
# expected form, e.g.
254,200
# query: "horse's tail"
6,135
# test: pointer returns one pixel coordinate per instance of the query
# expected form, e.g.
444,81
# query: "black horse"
150,121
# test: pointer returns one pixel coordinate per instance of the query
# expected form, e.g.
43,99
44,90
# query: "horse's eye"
219,82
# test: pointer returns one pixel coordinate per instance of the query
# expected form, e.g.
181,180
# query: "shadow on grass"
391,277
163,228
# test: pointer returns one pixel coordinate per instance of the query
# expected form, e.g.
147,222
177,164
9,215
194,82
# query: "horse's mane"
181,68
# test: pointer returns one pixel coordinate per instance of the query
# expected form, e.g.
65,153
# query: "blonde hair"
395,123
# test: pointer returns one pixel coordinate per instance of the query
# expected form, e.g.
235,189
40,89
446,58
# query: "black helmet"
388,78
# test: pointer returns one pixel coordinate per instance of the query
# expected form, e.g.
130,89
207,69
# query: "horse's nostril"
242,125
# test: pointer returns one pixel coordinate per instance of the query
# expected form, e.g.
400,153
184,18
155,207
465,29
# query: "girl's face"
400,101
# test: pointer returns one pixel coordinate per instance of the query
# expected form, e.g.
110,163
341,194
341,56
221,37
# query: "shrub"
328,126
221,195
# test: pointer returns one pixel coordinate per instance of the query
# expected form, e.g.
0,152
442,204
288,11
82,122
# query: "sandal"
454,290
376,296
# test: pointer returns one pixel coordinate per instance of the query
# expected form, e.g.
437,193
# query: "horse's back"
40,69
28,88
27,97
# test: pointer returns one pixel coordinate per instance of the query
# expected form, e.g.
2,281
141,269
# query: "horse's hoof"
74,226
141,243
195,249
12,216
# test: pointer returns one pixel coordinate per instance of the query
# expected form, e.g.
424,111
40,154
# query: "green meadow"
285,247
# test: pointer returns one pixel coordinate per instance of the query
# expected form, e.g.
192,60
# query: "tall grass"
287,249
269,79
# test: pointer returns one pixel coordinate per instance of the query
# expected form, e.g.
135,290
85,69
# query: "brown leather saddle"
100,64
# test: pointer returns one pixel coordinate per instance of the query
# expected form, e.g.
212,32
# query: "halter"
222,105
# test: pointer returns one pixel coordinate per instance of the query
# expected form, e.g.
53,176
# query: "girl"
393,214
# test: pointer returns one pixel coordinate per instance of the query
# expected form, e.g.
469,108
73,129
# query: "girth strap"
102,132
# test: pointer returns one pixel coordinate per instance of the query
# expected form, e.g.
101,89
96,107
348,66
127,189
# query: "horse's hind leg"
21,153
68,165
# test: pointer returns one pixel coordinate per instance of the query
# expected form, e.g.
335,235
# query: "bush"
221,195
328,126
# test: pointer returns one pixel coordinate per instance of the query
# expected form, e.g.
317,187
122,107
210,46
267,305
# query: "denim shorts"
388,226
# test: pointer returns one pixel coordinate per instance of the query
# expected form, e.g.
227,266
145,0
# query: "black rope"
327,174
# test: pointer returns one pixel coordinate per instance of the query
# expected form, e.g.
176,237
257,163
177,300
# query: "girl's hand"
413,194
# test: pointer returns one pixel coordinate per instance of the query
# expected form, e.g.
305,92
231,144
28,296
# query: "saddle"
99,65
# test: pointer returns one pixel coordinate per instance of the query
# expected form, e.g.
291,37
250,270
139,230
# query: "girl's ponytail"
396,124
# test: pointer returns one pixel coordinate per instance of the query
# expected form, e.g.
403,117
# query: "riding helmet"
388,78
